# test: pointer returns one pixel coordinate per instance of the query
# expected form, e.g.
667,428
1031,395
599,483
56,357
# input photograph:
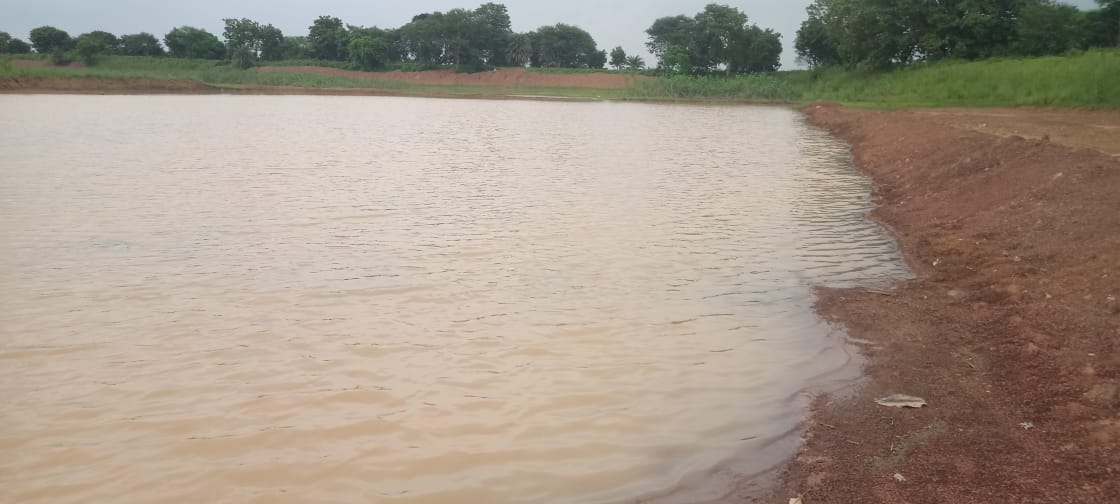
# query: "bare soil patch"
1010,329
504,77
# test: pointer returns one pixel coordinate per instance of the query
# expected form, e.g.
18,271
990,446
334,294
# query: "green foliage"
1046,27
328,39
242,36
1101,27
519,49
272,43
345,65
814,43
635,63
17,46
460,37
195,43
877,34
294,48
597,60
716,39
48,39
1083,80
494,32
9,45
140,44
87,50
565,46
368,50
60,57
618,58
105,42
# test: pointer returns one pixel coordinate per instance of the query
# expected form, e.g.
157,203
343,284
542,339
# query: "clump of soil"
1010,329
506,77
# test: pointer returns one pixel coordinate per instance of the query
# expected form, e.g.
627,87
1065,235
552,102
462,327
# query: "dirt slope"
1010,330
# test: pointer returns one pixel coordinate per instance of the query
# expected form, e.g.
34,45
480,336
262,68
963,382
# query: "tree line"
719,39
477,38
884,33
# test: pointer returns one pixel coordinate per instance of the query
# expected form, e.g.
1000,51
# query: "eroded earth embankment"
1010,328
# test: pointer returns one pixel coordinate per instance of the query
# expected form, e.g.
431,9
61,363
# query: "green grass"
222,75
1086,79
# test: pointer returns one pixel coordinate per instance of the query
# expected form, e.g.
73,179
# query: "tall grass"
757,87
1089,79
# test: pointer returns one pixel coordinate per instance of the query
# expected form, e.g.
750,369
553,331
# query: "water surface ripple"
333,299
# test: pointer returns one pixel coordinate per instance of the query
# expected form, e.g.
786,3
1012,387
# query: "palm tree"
635,62
519,49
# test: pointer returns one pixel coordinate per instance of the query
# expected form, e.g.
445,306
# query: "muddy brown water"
339,299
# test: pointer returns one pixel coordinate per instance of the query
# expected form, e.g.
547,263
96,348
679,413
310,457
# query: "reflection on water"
317,299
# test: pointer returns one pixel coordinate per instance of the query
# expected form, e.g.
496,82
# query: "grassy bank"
1083,80
222,75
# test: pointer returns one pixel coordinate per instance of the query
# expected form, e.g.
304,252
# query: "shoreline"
80,85
1009,329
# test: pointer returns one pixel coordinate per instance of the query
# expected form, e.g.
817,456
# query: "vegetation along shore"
1013,53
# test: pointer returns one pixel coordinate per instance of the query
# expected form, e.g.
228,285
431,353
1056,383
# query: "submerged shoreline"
1009,330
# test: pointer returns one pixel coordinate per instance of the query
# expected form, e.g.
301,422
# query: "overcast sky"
611,22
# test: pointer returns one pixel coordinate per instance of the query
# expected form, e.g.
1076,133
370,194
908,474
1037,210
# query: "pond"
403,300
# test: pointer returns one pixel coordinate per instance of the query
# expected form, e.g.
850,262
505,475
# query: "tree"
89,50
140,44
597,60
1046,27
676,60
884,33
271,43
1101,27
48,39
328,39
368,48
635,63
190,42
716,39
294,48
494,33
814,44
9,45
423,39
105,42
243,38
618,58
564,46
519,49
673,36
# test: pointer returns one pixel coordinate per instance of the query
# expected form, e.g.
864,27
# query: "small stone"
1032,349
